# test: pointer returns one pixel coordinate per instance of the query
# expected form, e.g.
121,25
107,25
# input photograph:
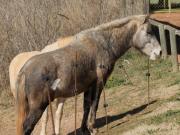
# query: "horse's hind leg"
44,121
31,121
36,109
58,116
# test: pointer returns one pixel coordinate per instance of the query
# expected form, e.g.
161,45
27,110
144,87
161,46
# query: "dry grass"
31,25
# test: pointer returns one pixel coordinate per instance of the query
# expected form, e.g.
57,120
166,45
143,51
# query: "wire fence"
164,5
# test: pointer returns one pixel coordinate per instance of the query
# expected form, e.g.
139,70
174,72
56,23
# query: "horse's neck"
120,39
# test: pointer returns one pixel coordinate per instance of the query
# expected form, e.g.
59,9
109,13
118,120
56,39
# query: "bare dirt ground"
128,113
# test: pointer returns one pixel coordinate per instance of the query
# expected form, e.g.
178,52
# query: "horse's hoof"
85,131
56,134
42,133
94,131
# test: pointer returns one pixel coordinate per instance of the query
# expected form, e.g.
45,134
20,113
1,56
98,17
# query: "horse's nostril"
160,53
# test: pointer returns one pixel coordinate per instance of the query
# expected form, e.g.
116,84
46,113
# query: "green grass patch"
173,98
135,65
152,131
176,80
169,116
114,81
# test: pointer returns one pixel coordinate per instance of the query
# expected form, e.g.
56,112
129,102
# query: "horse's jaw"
152,57
155,54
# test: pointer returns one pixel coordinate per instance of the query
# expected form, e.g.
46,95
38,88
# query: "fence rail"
172,32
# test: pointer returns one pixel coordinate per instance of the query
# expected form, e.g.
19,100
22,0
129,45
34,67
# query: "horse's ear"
144,19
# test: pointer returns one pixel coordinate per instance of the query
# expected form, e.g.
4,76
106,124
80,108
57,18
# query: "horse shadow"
100,122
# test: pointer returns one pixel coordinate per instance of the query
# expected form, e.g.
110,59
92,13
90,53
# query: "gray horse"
97,49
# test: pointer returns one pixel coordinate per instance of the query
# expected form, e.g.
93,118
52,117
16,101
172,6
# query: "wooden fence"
173,32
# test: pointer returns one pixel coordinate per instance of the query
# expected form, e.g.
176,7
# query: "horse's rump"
16,65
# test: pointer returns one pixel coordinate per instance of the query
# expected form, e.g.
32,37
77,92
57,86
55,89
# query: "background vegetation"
30,25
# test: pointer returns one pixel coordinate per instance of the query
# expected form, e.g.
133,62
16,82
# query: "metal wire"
52,117
104,98
147,74
148,80
105,109
75,95
123,68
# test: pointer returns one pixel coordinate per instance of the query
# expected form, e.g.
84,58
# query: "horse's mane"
117,23
120,22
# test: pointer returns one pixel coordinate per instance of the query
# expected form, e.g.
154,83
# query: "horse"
93,51
61,42
17,63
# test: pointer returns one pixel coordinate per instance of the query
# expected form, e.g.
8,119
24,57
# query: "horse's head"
144,40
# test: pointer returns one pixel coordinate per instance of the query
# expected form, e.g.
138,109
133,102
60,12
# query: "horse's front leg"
86,107
58,115
96,93
44,121
94,107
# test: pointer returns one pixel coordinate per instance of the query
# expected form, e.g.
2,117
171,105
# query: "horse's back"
50,47
60,43
63,42
15,66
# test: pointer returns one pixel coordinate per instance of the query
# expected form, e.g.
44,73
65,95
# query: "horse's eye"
149,32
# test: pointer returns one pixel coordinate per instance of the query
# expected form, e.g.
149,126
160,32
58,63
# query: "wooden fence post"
173,49
163,41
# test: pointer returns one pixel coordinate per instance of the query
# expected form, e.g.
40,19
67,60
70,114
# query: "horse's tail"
22,104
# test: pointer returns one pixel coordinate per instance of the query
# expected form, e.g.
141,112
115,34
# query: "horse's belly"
74,90
79,87
67,84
